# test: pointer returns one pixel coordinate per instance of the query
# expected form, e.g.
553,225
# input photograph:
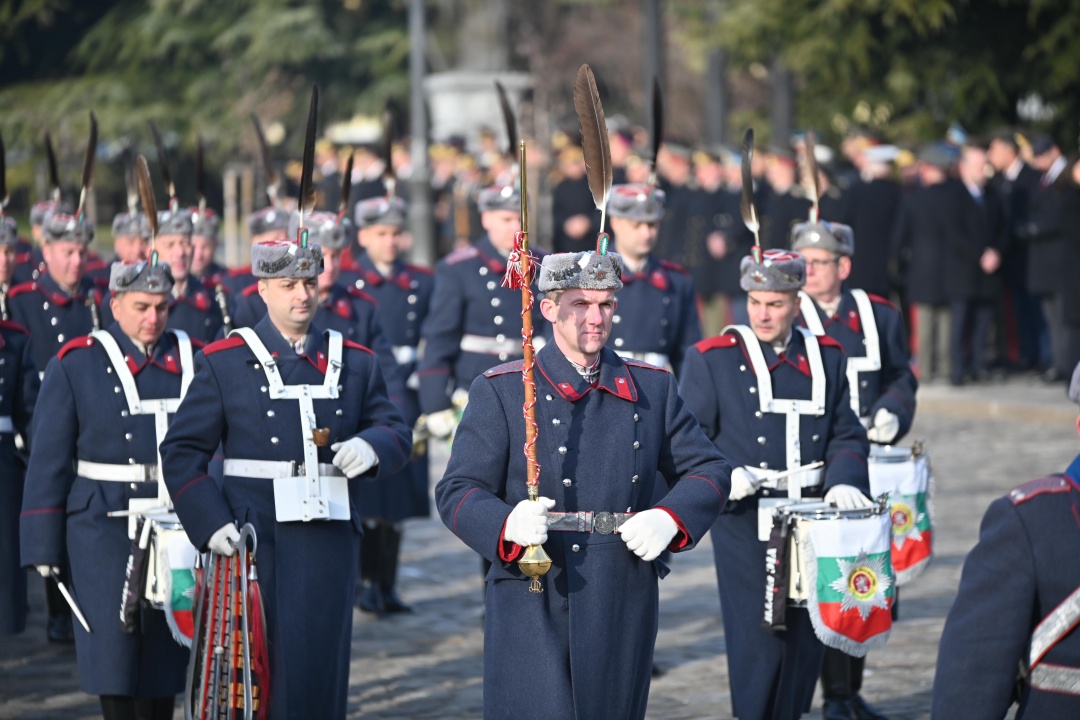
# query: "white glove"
527,522
47,570
744,483
441,424
847,497
648,533
885,428
355,456
225,540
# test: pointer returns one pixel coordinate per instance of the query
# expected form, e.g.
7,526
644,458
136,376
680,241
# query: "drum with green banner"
904,474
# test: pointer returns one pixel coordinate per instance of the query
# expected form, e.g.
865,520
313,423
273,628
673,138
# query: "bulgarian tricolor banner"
905,475
180,592
851,582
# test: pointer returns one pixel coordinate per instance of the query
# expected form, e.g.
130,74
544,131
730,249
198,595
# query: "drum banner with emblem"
851,583
905,475
179,593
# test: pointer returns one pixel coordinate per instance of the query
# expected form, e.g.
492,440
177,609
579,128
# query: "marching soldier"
881,384
248,392
474,323
404,293
657,294
204,243
267,225
92,454
728,380
192,307
1018,606
131,242
595,410
9,239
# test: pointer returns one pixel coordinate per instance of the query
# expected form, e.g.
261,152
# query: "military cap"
382,211
128,224
9,231
581,271
62,227
267,220
881,154
175,223
778,271
637,202
43,208
1042,144
285,259
937,155
205,223
140,276
499,197
830,236
324,229
1074,385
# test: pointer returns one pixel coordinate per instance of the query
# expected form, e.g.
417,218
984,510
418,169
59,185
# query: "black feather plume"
749,212
657,127
307,186
268,165
594,139
163,161
346,187
88,164
200,173
509,120
389,177
146,192
54,174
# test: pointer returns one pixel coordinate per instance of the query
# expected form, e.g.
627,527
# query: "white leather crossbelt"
271,469
490,345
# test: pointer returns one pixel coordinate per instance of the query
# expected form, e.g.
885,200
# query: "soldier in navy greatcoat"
880,381
91,456
772,675
1017,607
608,428
404,294
266,225
249,392
18,393
131,243
204,242
9,241
29,257
474,323
657,297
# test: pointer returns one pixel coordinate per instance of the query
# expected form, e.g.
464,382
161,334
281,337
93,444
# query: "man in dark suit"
873,203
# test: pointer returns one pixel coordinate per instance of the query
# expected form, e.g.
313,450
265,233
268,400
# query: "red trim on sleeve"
458,508
508,551
41,511
187,485
682,537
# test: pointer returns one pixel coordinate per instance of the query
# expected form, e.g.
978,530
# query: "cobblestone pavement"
982,441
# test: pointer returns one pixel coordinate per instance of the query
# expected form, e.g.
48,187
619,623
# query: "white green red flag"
909,485
851,583
180,592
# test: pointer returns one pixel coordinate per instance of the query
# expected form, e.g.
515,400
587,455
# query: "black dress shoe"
59,628
370,599
393,602
836,710
862,710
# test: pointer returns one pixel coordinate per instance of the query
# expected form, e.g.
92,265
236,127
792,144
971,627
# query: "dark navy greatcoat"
1027,561
772,675
892,387
307,571
82,414
656,312
588,640
196,312
469,299
52,316
18,392
404,300
29,264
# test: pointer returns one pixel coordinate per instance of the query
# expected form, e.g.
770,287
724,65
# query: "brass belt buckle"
604,523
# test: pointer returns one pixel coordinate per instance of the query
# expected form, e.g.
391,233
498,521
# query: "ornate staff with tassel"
535,561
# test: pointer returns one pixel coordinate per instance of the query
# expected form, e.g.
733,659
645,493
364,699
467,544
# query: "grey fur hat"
779,271
581,270
267,220
1074,385
9,231
637,202
205,223
175,223
41,210
61,227
140,276
284,259
324,229
825,235
499,197
382,211
126,224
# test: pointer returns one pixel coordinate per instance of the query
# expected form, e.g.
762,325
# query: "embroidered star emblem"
863,584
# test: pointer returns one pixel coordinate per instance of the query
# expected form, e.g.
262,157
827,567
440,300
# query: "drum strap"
160,408
871,362
777,568
1055,626
791,408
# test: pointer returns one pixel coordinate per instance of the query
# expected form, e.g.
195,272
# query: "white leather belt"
404,354
6,425
272,469
653,358
806,478
490,345
108,472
